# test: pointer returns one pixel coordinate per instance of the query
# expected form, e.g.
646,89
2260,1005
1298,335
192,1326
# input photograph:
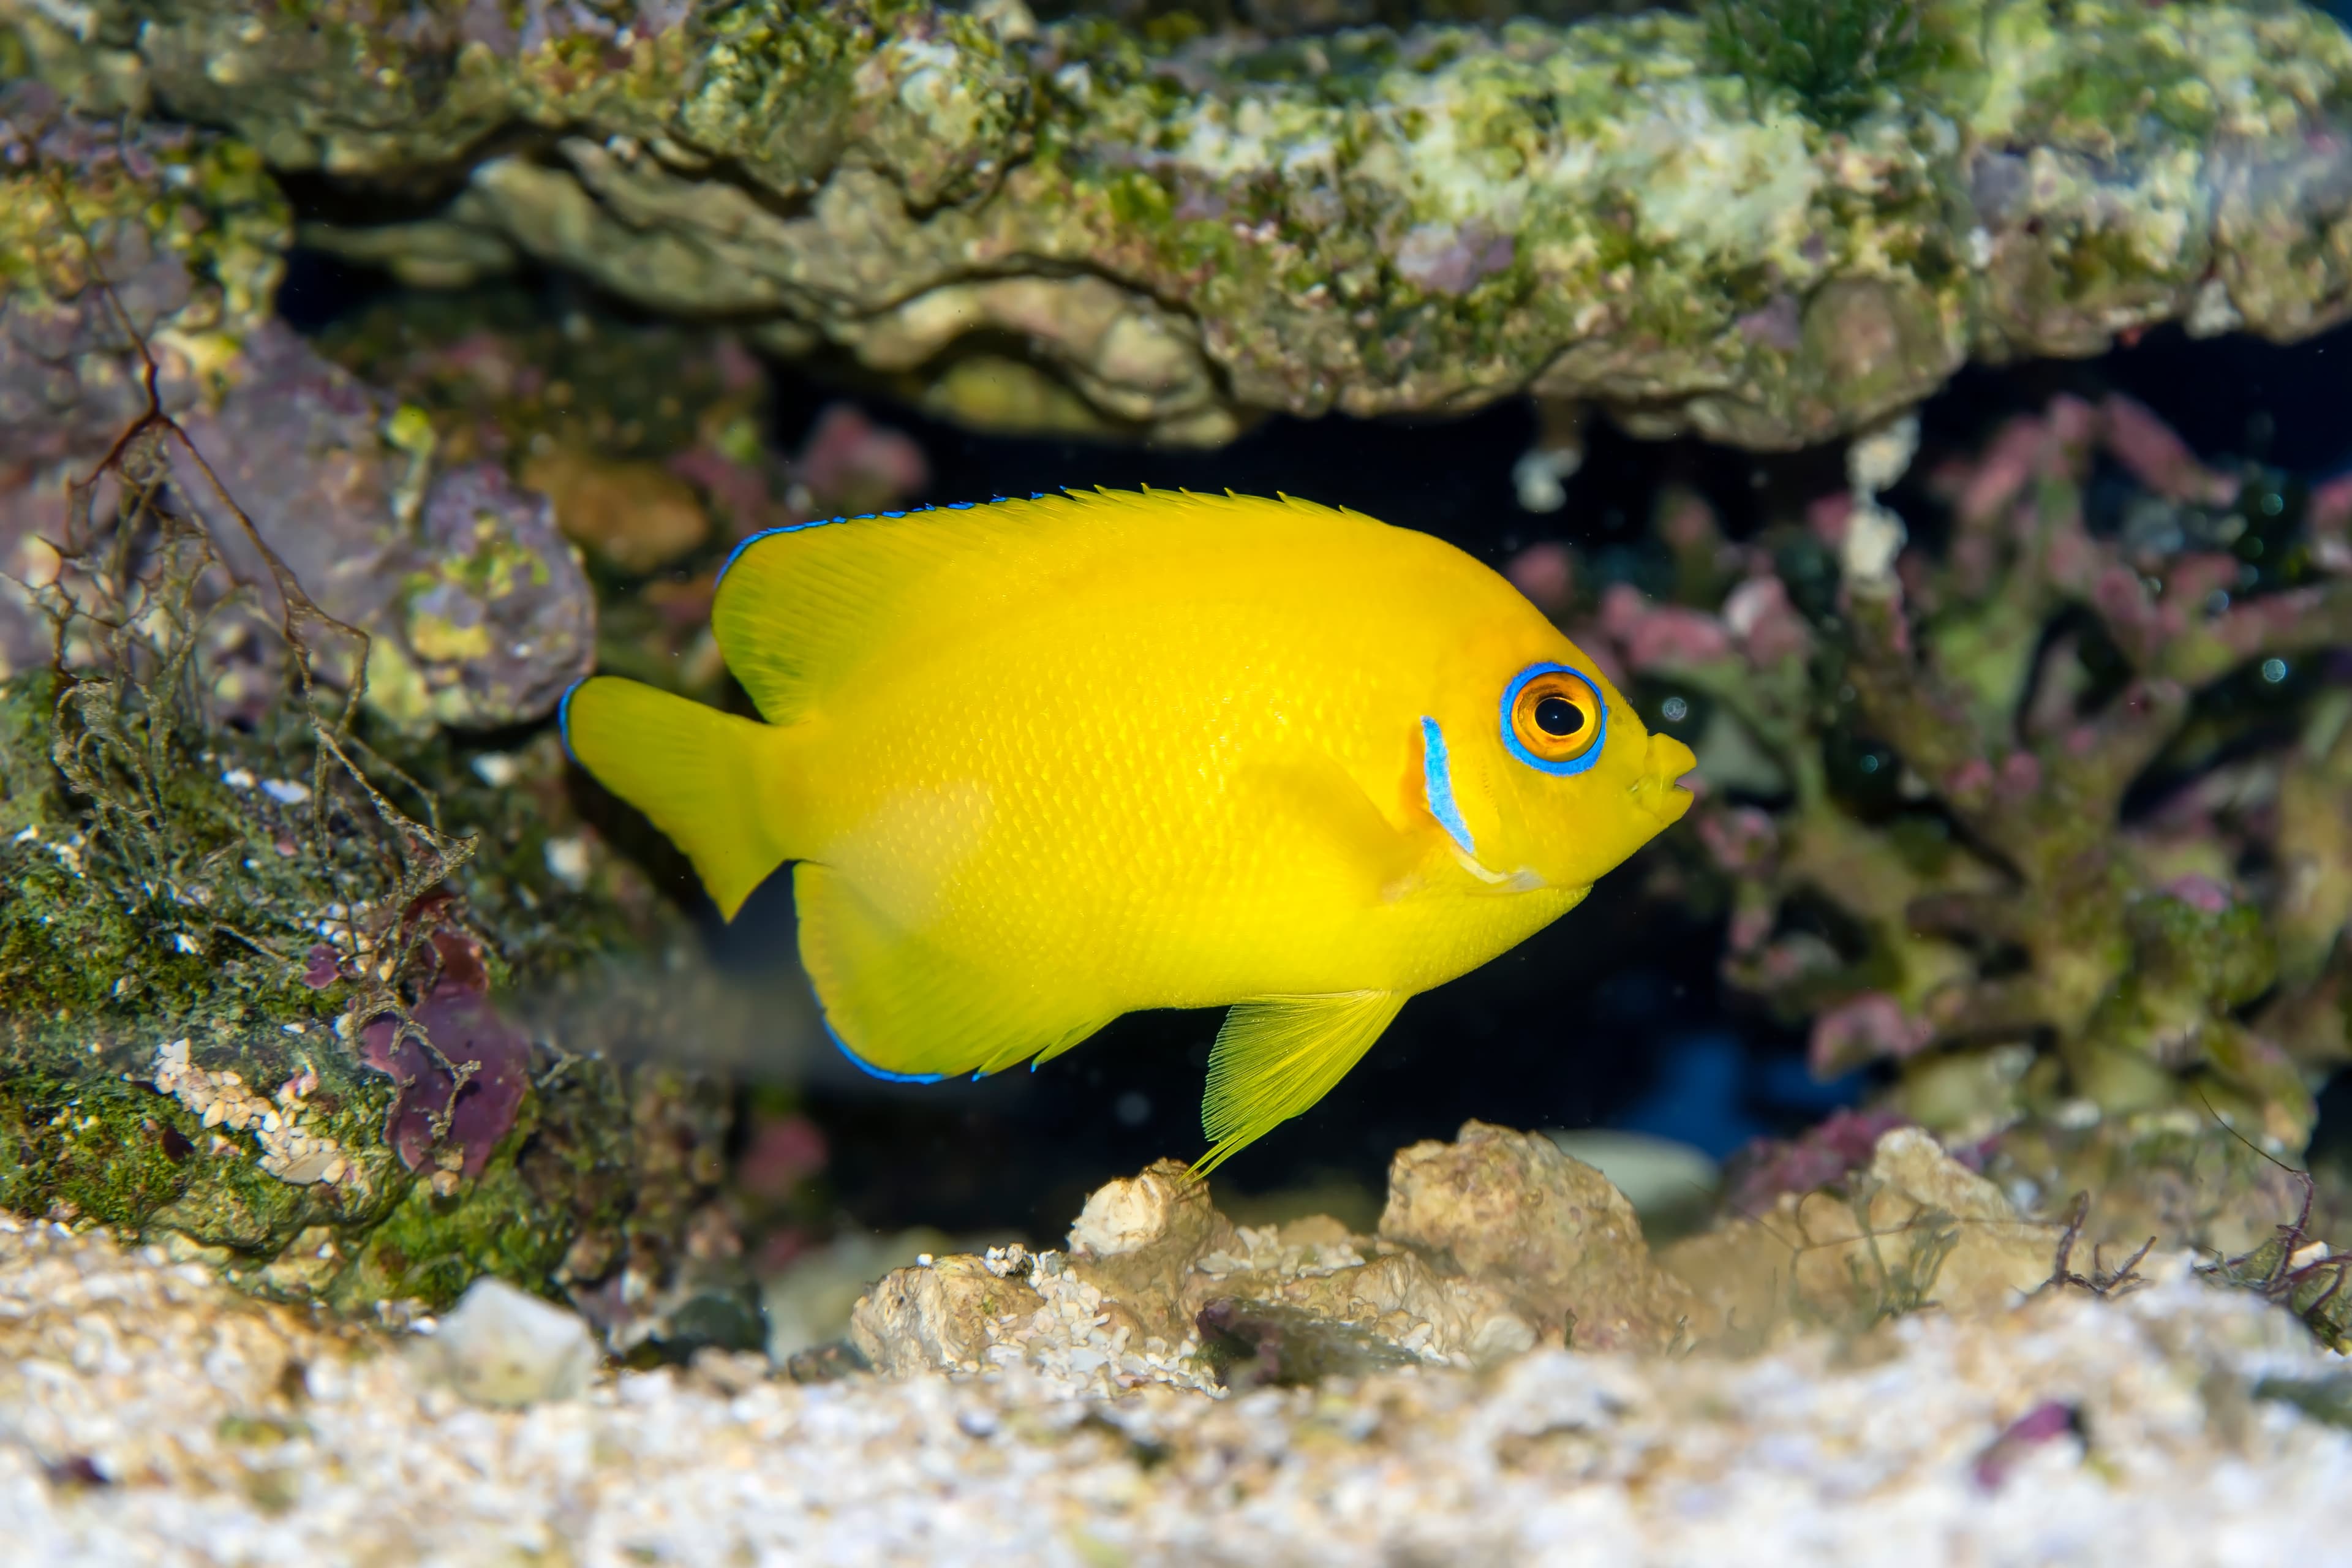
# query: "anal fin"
903,1006
1277,1055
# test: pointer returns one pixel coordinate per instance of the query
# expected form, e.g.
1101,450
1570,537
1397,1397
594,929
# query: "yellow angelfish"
1045,762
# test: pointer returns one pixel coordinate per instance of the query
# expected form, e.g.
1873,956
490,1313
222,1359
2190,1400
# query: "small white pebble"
503,1346
497,769
567,861
237,778
286,791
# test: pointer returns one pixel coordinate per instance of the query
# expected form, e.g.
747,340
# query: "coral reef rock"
1511,1209
1912,1229
1148,231
480,610
1490,1246
154,1417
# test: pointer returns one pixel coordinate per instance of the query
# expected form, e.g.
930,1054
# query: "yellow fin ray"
709,780
902,1007
1277,1055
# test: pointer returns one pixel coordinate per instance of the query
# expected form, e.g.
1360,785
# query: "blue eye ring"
1515,731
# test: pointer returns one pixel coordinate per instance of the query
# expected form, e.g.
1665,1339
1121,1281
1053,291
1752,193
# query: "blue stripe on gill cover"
1576,764
1437,786
564,715
861,1065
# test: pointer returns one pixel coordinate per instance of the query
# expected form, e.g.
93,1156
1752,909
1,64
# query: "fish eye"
1554,719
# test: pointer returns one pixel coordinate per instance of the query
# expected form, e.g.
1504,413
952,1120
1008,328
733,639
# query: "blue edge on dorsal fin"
563,732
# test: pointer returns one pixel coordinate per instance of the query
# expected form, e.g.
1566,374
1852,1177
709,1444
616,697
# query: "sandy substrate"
148,1416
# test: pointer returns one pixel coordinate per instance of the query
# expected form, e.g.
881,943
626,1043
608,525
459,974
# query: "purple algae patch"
490,1055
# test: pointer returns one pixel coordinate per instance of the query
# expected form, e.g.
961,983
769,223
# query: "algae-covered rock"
289,984
650,441
481,611
2175,1176
175,1082
1177,233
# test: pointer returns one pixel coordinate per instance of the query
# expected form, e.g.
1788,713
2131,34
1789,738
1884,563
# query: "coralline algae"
1184,235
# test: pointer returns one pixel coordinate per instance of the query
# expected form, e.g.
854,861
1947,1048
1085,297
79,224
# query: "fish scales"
1042,762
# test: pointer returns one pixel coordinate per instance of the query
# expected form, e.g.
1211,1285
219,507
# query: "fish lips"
1657,791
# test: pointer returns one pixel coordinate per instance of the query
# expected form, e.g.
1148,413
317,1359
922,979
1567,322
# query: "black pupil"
1557,717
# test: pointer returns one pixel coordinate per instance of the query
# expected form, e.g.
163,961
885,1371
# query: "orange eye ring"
1554,719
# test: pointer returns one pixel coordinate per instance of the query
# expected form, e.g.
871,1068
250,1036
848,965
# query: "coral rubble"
1076,225
1490,1246
155,1415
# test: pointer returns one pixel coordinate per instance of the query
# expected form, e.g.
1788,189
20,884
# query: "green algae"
1842,58
222,876
1316,222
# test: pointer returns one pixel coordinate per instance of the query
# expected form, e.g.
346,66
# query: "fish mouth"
1657,791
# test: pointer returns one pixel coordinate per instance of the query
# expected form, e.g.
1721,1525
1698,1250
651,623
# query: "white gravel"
150,1417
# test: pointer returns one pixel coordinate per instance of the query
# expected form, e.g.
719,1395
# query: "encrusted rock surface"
480,611
153,1417
1511,1209
1175,238
1153,1269
1912,1227
1490,1246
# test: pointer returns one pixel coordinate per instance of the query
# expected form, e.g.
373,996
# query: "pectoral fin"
1277,1055
1336,843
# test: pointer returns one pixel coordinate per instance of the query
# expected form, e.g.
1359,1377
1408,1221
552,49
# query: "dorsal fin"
799,607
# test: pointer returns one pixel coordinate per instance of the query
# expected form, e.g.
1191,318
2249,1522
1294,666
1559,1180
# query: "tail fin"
707,779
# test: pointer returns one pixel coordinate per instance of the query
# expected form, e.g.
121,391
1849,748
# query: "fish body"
1045,761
